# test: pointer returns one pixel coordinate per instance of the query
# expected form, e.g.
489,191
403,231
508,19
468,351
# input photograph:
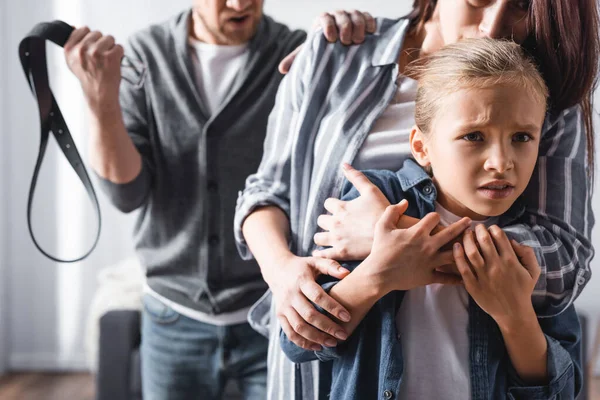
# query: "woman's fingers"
334,206
426,225
325,222
391,216
330,253
327,331
315,293
328,267
451,232
308,331
295,338
361,182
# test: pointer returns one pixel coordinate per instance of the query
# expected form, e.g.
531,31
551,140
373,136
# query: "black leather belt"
32,51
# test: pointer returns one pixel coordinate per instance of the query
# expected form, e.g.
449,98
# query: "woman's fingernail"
342,269
315,347
341,335
344,316
346,166
330,343
456,246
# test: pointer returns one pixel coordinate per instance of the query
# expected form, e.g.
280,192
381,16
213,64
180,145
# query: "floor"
47,386
80,386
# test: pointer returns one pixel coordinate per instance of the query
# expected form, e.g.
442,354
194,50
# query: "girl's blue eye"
522,137
473,137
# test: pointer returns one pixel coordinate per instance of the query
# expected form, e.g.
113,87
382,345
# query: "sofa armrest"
119,337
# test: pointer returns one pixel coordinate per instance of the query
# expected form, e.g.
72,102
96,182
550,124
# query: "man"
175,140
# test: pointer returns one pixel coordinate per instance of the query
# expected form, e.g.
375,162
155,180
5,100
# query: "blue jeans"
184,359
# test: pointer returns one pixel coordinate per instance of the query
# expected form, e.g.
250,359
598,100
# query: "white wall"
3,207
43,325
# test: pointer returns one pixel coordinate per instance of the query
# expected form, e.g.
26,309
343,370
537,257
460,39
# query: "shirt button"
581,281
213,240
388,394
212,186
427,189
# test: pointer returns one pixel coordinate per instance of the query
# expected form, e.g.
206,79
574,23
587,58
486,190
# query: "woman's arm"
559,217
263,211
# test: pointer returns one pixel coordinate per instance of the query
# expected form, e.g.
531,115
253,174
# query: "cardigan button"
427,189
388,394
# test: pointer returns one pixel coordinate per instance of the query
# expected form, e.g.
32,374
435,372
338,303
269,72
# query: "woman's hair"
564,42
471,64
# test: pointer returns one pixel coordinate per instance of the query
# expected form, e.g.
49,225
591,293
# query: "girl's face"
482,148
453,20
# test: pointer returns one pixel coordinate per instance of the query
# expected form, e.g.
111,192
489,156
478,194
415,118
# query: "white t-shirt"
224,319
432,324
387,145
216,69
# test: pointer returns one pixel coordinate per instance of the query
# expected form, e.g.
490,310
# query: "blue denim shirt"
369,364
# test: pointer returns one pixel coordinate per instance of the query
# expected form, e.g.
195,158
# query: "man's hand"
95,60
349,27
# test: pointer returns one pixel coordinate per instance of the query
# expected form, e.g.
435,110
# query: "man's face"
228,22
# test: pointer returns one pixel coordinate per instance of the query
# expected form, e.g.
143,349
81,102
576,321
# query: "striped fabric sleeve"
559,219
270,185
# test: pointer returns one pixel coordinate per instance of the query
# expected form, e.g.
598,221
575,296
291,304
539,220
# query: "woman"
353,105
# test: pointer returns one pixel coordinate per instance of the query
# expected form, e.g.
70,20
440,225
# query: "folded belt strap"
32,51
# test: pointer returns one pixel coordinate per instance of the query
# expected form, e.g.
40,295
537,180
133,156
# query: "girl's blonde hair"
471,64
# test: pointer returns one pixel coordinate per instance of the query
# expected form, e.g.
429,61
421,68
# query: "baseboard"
46,362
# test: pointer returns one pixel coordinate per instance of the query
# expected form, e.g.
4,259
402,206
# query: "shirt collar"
412,174
390,37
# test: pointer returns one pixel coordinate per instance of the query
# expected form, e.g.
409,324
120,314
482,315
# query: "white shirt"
432,322
388,145
216,69
224,319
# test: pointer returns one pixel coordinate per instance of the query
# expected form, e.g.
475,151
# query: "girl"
479,115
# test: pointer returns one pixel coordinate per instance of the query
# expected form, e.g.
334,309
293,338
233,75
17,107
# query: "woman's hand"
349,26
501,276
293,289
403,259
348,231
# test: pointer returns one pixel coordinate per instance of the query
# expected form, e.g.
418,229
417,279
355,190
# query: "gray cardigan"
194,165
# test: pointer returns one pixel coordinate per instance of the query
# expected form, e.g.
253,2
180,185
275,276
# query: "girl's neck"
454,206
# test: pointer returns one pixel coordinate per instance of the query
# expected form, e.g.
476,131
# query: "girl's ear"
418,146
